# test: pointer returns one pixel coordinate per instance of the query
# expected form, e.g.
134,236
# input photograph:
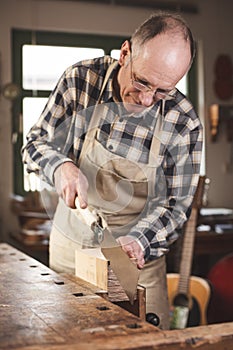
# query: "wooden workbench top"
40,309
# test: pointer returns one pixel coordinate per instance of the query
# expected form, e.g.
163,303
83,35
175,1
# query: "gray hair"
158,23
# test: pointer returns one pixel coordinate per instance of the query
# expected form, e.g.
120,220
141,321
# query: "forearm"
42,159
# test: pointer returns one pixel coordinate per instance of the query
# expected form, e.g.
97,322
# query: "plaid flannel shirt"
58,137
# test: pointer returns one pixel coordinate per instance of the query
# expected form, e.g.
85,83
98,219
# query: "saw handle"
89,217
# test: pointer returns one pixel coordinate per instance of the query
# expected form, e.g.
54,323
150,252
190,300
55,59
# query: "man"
136,159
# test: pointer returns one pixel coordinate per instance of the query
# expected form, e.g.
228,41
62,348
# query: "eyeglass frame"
147,89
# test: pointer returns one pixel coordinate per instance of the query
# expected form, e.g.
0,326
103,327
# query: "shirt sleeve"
176,183
50,140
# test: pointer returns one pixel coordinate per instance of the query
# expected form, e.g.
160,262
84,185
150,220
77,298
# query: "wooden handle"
88,217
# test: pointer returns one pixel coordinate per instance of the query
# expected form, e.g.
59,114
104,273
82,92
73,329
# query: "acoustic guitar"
188,295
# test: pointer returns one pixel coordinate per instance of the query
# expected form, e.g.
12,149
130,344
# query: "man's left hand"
132,249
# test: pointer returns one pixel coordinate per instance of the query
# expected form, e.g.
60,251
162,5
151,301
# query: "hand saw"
125,270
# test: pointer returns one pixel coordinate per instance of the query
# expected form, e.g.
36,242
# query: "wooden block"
91,266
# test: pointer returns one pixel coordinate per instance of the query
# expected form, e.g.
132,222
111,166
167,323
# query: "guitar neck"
187,253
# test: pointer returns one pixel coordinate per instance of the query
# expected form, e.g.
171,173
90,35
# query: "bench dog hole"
78,294
59,283
102,308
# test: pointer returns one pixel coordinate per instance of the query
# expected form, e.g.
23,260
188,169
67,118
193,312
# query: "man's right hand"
70,183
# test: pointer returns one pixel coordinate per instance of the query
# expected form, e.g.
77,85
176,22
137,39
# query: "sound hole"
181,300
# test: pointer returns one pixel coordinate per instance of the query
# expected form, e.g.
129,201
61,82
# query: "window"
43,64
36,68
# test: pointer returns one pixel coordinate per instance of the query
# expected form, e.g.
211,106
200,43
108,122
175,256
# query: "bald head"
162,23
168,55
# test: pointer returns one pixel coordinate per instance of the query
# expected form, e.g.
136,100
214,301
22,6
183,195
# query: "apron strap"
96,115
107,76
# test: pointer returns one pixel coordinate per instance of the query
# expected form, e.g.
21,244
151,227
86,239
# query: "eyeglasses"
141,86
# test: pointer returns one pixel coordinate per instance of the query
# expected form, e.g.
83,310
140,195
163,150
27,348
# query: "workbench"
41,309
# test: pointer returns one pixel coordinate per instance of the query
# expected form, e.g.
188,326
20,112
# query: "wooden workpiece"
40,309
91,266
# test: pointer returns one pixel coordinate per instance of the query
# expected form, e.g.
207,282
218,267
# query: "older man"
110,123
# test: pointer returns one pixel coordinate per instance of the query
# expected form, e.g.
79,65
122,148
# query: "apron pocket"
112,191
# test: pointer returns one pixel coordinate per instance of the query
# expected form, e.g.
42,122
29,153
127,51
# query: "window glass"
32,108
43,65
115,54
182,85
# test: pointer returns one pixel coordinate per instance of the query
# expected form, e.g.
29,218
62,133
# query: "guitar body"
198,298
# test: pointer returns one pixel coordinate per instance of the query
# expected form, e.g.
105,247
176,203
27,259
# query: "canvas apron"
120,190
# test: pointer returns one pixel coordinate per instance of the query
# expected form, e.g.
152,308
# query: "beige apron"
120,189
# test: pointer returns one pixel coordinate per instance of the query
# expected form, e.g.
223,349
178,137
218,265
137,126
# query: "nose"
146,98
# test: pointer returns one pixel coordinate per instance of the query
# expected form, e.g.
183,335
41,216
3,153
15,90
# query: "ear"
125,52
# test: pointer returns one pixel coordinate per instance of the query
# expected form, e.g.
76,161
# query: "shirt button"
110,147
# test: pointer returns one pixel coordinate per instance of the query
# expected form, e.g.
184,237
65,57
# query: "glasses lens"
161,95
140,86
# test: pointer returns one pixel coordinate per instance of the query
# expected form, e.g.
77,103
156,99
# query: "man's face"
153,73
